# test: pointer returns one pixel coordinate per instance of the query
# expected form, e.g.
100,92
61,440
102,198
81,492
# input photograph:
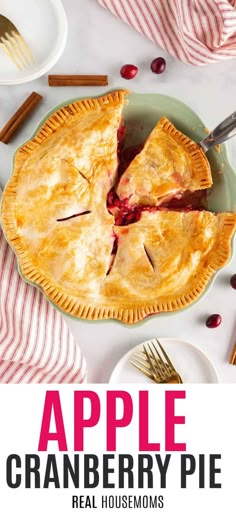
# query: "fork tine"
25,46
4,44
139,361
12,52
141,369
14,44
165,355
155,367
18,49
162,363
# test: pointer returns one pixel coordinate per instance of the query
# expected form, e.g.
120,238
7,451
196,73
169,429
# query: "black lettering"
214,470
51,477
91,469
70,470
104,501
126,470
187,471
163,468
201,471
32,465
75,501
13,458
145,470
107,471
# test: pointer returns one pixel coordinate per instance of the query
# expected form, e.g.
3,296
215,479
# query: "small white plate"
191,363
43,25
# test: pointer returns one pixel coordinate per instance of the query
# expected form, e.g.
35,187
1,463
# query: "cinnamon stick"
233,356
77,80
19,116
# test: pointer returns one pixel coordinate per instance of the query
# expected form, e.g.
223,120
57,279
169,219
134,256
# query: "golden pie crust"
167,258
168,165
54,215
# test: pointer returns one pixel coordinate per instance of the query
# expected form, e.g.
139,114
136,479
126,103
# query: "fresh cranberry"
213,321
128,71
158,65
233,281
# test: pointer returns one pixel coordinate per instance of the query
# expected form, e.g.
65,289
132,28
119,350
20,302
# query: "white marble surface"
100,43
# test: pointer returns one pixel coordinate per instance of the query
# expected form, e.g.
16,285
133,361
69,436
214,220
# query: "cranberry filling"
122,212
187,201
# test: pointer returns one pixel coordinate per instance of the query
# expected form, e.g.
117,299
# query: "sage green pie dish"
141,114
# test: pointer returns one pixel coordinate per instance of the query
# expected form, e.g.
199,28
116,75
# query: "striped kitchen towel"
194,31
36,345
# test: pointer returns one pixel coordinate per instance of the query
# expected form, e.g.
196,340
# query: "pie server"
221,133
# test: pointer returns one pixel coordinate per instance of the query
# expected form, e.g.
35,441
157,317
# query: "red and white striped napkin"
194,31
36,345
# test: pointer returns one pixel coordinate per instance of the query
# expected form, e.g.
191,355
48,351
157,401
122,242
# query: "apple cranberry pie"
104,245
168,165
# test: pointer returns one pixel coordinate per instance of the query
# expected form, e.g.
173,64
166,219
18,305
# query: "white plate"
191,363
43,25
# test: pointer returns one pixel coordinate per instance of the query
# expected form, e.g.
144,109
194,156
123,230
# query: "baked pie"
168,165
101,244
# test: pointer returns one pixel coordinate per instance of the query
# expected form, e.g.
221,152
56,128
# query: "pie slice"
66,169
168,165
70,260
165,260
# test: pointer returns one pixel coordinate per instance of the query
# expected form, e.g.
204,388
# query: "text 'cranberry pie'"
105,244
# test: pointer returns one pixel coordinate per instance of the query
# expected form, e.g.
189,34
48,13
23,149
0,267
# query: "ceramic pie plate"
140,115
44,29
193,366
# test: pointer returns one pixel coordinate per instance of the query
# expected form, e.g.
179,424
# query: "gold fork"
13,44
156,365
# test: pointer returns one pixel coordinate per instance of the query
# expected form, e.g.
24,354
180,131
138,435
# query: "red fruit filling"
125,214
187,201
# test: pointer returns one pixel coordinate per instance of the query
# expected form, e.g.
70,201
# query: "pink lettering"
79,421
112,421
172,420
52,403
144,444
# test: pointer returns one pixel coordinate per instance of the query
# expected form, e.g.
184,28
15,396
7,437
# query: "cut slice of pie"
168,165
165,260
66,169
71,258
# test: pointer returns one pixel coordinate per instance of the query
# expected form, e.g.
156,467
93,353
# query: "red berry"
128,71
158,65
213,321
233,281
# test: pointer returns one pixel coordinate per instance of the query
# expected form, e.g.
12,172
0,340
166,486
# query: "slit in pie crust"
55,216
